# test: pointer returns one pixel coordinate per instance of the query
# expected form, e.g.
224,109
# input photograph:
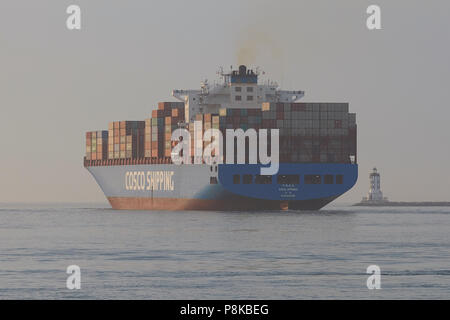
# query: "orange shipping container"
157,113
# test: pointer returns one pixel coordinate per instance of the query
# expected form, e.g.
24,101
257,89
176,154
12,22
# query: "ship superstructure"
239,89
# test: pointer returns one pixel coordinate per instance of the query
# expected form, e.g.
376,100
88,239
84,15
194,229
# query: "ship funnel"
242,70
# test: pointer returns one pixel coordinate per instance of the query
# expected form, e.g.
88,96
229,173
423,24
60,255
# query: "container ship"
132,160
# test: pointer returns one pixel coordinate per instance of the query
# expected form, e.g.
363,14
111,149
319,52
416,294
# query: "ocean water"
223,255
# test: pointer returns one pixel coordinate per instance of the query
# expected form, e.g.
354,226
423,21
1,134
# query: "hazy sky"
56,84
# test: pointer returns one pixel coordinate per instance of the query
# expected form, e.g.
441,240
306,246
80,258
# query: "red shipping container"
280,115
155,144
298,107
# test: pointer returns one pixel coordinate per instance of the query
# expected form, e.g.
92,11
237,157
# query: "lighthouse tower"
375,194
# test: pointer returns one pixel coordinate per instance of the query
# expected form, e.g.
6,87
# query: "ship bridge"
238,89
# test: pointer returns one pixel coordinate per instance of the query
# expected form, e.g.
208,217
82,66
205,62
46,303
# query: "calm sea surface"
223,255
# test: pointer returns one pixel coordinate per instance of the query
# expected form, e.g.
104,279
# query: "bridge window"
249,89
313,179
238,98
339,179
236,179
288,179
213,180
249,98
237,89
247,179
328,179
263,179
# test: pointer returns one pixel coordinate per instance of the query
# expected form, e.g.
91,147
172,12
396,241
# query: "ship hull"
204,187
242,204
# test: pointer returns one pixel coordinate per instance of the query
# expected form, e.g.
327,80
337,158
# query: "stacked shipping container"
148,138
96,145
164,120
126,139
312,132
309,132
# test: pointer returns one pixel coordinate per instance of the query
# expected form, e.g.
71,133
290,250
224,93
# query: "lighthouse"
375,194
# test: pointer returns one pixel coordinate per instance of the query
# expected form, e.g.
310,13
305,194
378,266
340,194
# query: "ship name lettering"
150,180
